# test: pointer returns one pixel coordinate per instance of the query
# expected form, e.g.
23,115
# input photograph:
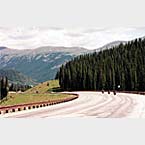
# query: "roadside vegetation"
41,92
45,87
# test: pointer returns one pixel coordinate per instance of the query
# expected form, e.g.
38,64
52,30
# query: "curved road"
91,104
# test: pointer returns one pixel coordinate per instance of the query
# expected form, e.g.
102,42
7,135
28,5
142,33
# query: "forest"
119,68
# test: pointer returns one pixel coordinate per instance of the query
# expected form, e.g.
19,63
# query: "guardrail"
132,92
28,106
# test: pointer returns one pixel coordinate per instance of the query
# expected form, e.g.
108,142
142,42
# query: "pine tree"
123,66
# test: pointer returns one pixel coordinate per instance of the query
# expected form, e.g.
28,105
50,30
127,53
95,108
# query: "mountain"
40,64
2,48
110,45
16,77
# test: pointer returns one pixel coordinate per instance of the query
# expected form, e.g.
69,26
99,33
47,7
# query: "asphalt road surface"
91,104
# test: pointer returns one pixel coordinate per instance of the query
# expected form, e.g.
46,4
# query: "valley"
40,64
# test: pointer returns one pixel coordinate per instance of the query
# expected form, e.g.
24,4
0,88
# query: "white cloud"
34,37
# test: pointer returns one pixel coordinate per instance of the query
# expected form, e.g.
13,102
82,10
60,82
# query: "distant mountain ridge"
40,64
2,48
110,45
16,77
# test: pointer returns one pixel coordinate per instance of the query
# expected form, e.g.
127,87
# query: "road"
91,104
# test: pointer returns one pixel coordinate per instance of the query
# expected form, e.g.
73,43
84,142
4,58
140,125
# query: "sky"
89,38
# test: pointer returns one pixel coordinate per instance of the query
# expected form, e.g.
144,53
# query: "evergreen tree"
4,87
123,66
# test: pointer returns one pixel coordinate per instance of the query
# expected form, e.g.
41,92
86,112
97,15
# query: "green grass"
43,88
30,96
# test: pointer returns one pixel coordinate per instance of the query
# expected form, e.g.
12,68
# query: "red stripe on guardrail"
19,107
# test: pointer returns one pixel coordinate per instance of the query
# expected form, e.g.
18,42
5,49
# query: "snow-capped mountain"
40,64
110,45
24,53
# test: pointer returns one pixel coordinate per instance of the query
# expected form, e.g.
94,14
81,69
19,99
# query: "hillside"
16,77
40,64
45,87
110,45
121,67
31,96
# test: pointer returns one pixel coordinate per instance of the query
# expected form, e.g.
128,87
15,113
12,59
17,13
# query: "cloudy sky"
90,38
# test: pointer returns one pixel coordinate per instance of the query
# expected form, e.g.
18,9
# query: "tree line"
4,87
121,67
